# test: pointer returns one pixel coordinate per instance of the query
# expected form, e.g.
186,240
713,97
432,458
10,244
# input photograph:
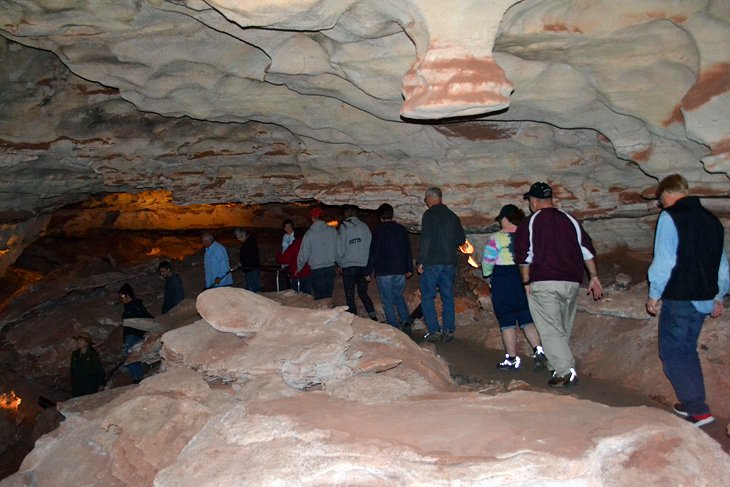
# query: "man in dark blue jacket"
390,258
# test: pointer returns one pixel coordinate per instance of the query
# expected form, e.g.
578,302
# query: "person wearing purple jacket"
552,250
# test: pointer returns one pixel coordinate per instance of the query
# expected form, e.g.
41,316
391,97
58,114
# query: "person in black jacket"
87,372
250,262
391,260
174,291
133,308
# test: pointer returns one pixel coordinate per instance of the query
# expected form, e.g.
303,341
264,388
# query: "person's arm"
665,258
595,288
373,254
459,232
209,270
424,244
723,283
489,257
341,247
408,252
303,256
522,257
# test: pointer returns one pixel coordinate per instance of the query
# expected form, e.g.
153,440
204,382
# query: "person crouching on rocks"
87,372
133,308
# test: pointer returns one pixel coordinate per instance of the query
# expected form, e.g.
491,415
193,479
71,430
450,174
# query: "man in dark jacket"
390,258
174,292
441,236
87,372
133,308
690,275
250,262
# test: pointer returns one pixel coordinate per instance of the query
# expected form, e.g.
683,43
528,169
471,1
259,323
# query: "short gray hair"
434,191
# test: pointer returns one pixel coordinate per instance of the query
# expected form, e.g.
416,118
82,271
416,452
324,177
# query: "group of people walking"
534,265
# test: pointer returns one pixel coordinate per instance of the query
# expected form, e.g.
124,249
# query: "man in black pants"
353,249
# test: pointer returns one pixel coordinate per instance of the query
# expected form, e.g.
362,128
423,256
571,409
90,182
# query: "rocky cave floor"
75,285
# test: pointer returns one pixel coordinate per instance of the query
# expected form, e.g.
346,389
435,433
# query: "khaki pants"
552,305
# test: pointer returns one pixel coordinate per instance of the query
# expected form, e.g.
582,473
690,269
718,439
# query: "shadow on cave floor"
474,366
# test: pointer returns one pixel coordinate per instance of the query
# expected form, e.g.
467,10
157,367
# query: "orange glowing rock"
154,251
10,401
467,248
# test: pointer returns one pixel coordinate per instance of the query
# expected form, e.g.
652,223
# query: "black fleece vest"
694,277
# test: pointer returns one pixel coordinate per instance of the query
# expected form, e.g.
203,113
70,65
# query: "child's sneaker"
509,363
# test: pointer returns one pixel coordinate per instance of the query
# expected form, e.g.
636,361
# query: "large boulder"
346,401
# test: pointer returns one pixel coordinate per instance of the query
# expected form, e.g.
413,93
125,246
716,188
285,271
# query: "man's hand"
595,289
652,306
367,278
408,275
717,309
420,268
217,281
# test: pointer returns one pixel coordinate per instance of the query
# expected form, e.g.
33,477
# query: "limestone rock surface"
367,425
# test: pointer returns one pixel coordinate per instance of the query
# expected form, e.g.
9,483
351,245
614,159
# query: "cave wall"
363,102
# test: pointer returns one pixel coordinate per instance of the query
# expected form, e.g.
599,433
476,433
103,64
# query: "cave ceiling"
345,101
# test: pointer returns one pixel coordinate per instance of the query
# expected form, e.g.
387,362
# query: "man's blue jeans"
439,277
679,327
135,369
391,294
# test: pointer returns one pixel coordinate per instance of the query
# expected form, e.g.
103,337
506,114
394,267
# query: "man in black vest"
689,274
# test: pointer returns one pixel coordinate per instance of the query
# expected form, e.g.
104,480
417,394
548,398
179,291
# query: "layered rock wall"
255,102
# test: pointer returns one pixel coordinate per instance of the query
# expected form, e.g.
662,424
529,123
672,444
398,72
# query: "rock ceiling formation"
257,101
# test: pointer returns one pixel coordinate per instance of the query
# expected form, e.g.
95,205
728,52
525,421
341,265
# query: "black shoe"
567,380
407,328
447,336
373,316
432,337
539,360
